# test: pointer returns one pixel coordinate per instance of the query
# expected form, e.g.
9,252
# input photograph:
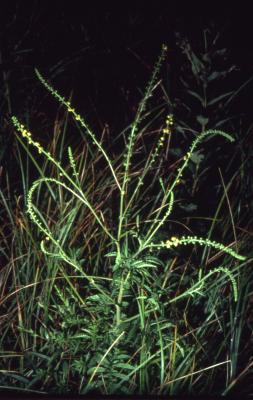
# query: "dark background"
103,55
105,51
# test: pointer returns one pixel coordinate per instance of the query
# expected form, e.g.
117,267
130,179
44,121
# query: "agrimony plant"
133,240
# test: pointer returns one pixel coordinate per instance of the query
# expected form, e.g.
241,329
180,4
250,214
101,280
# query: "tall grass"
104,297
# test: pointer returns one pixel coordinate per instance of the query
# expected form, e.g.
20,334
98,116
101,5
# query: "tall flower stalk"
122,179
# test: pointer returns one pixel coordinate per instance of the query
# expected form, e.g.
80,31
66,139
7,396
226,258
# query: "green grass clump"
106,308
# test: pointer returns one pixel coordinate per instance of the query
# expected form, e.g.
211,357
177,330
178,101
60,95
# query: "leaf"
119,375
125,366
79,336
197,157
202,120
197,96
112,254
214,101
222,121
98,370
18,378
35,353
167,325
196,65
122,356
94,297
189,207
214,75
220,52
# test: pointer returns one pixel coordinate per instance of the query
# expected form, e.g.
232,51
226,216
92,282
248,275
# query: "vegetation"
101,291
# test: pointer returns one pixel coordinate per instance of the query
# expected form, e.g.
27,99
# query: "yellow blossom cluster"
166,130
169,124
187,156
174,241
26,134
